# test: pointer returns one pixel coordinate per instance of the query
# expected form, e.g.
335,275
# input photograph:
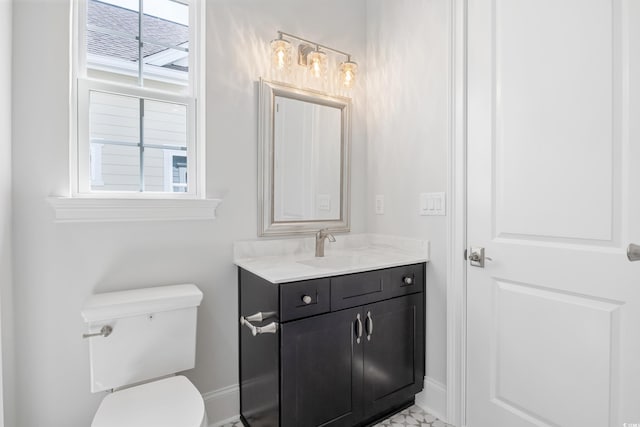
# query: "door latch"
477,258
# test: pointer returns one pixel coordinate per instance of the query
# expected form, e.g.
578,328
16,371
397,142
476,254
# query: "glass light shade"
348,72
317,63
281,54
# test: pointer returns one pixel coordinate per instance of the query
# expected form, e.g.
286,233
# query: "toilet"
138,341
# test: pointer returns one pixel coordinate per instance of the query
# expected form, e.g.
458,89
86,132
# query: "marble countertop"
288,260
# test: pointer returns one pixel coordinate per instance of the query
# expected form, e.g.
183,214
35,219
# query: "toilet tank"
153,334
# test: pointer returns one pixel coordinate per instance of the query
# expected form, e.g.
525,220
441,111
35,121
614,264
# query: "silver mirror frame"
267,91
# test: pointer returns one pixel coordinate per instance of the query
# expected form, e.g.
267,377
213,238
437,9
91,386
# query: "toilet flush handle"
105,331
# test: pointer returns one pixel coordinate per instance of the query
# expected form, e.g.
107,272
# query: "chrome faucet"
320,236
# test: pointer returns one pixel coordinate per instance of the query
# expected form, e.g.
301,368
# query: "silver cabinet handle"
369,326
633,252
407,280
358,328
260,316
306,299
271,328
105,331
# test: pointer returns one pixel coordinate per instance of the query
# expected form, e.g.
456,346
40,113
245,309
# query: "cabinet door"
321,368
393,352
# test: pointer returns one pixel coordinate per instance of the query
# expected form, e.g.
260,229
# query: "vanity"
330,334
332,341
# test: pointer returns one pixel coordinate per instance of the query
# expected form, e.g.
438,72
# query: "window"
137,86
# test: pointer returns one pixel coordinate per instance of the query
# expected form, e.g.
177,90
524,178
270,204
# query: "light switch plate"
432,204
379,204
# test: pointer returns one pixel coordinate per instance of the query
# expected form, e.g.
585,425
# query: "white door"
554,198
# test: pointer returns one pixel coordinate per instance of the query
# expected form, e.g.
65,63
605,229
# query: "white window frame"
96,164
191,97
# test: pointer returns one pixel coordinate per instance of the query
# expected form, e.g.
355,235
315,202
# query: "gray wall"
6,298
407,124
58,265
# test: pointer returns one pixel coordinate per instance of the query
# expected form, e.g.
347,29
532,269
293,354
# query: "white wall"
407,66
58,265
6,346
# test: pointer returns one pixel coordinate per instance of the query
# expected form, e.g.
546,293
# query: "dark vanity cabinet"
336,351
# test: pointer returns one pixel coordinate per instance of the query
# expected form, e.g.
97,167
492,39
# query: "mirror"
306,159
303,160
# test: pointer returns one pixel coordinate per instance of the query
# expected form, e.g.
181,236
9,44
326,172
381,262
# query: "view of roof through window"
113,30
169,10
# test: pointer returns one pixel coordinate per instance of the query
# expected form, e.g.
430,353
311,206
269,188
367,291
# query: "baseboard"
433,398
222,405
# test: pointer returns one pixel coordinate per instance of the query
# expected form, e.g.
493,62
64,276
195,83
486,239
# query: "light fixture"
348,71
281,54
314,59
312,55
317,63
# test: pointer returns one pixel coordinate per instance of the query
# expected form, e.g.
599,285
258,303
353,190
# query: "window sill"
77,209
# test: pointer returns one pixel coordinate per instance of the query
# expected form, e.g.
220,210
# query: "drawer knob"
306,299
407,280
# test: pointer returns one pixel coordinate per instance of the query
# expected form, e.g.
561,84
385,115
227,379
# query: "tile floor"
410,417
413,416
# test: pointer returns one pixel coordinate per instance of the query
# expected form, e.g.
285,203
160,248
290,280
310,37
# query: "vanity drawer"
356,289
408,279
303,299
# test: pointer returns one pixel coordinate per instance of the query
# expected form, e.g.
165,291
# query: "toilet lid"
169,402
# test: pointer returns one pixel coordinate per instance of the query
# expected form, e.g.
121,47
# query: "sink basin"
337,261
330,262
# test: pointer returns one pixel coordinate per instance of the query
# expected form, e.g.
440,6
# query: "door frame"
457,218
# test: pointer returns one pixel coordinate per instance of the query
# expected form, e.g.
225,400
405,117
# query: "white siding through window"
115,126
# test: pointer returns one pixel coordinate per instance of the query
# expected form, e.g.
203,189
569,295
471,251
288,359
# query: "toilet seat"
169,402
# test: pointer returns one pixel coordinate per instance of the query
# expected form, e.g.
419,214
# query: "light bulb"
281,62
281,54
317,62
348,78
348,71
316,68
